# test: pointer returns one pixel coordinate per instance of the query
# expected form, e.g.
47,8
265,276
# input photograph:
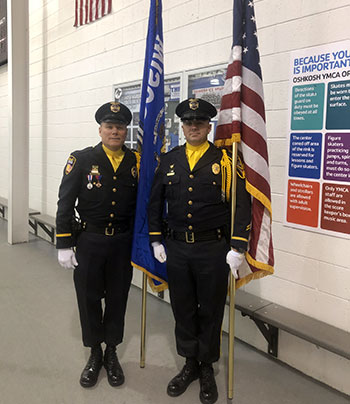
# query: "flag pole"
143,321
231,334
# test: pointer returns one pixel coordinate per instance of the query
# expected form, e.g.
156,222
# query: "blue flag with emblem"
150,143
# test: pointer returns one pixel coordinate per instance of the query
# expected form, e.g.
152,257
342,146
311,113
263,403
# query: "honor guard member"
195,180
100,182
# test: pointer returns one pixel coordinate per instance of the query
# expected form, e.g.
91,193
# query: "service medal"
98,183
89,185
215,168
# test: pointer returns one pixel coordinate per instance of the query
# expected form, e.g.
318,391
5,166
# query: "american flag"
87,11
242,119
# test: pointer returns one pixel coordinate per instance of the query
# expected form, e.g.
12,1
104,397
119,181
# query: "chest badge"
215,168
171,170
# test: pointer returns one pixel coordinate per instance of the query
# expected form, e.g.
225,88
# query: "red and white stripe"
242,112
87,11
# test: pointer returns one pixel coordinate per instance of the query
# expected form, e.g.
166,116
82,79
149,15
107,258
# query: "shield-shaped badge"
215,168
193,103
115,107
70,164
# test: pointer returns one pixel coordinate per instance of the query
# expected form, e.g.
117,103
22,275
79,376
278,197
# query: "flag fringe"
263,270
259,196
258,264
254,275
235,138
151,277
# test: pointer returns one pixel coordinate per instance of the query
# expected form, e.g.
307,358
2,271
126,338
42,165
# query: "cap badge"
215,168
115,107
193,103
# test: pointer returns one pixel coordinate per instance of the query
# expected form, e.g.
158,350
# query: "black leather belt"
192,237
107,231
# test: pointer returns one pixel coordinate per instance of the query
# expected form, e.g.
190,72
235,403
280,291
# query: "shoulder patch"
70,164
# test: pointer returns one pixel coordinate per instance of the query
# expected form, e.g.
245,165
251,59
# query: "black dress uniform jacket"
195,198
105,205
198,207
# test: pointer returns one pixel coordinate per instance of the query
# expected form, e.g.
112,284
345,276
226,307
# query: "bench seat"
270,317
46,222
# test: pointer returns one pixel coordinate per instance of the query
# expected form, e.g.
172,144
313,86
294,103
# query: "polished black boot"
115,373
92,369
208,392
180,382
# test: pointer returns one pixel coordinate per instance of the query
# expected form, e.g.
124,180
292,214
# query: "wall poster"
317,193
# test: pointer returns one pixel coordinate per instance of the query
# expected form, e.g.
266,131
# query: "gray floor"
41,355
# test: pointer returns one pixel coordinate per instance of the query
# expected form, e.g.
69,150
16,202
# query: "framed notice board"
3,32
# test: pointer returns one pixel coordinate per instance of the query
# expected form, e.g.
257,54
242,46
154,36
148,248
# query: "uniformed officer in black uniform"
195,180
100,183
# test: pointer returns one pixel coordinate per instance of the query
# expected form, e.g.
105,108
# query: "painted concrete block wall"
72,71
4,139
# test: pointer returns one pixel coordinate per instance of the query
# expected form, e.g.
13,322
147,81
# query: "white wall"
72,72
4,139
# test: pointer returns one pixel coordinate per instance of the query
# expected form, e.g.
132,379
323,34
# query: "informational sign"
208,85
318,175
130,95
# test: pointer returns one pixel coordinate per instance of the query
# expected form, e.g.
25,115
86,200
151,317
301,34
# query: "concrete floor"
41,356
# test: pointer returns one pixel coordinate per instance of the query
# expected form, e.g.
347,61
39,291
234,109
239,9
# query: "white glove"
66,258
159,251
234,259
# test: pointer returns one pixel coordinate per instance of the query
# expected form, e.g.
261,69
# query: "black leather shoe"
115,373
181,381
92,369
208,392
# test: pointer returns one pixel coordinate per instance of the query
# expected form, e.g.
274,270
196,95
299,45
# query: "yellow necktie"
194,153
115,157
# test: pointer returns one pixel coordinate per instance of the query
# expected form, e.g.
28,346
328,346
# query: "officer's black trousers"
198,279
103,272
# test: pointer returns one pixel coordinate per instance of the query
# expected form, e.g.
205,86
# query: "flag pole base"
231,338
143,322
